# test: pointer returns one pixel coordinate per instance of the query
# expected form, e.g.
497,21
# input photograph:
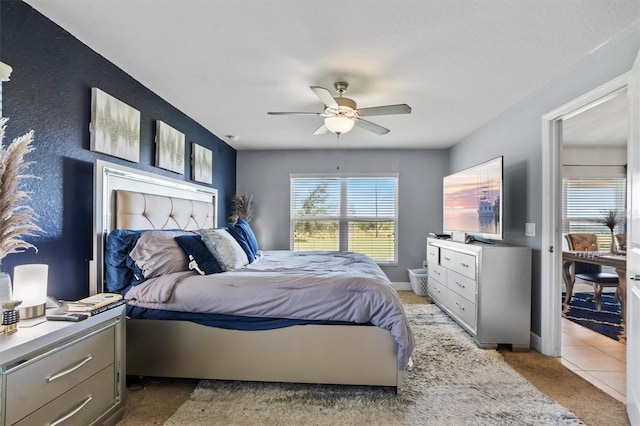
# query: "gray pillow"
224,248
157,253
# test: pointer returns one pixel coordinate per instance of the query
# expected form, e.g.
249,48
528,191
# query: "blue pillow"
253,241
243,234
120,271
192,245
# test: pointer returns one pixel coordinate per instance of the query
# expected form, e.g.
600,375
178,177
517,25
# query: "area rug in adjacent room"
607,321
451,382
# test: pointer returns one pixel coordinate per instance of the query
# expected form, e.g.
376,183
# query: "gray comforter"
335,286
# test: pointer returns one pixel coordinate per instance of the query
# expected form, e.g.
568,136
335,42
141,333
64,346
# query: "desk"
617,261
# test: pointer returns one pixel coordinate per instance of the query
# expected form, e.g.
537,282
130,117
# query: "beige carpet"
151,401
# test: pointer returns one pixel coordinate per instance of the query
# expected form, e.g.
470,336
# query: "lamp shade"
339,124
30,286
5,71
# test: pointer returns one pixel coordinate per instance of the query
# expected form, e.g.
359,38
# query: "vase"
613,243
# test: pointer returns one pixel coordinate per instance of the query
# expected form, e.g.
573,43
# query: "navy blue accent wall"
50,92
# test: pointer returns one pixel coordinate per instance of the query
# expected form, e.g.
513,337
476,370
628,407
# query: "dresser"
64,373
486,288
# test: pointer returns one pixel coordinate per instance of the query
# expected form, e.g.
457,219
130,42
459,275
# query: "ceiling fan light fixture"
339,124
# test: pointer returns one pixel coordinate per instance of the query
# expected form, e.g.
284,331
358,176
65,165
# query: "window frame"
343,218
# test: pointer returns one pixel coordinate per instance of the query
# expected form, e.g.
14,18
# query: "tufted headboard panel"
136,210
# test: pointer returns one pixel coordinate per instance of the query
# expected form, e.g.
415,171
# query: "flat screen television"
473,201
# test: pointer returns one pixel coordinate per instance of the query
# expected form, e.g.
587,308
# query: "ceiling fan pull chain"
338,151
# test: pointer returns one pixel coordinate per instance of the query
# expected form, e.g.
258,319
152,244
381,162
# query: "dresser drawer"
437,291
464,286
461,263
433,255
438,273
463,309
33,384
80,405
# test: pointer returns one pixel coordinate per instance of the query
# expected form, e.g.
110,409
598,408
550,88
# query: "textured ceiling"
457,63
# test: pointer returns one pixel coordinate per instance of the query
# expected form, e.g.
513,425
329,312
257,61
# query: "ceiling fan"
341,113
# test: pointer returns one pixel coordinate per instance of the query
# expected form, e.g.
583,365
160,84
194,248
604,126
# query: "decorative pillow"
157,253
243,234
193,247
225,248
120,271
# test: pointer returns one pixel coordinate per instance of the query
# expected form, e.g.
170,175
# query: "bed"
314,351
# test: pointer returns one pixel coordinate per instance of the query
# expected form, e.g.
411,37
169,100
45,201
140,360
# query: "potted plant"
610,219
17,219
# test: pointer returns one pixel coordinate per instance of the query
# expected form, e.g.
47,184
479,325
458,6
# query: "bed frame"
331,354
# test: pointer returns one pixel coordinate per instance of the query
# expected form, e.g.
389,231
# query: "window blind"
345,213
584,200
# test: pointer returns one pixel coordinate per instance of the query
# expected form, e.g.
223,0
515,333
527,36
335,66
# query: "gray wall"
265,175
517,134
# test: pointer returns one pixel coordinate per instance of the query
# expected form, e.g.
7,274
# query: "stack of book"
95,304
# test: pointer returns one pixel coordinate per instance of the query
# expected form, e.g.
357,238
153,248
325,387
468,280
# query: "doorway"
552,232
593,175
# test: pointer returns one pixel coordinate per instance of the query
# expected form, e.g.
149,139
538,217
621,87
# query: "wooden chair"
621,242
588,272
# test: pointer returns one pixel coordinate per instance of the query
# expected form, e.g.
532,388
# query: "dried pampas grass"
242,208
17,220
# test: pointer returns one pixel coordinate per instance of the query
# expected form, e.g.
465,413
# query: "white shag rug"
451,382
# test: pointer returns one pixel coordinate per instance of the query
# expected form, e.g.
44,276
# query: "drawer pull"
70,369
459,307
73,412
448,259
464,265
460,285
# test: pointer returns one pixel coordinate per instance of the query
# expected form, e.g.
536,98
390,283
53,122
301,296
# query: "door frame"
551,235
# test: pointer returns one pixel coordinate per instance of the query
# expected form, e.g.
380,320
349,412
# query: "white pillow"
224,248
157,253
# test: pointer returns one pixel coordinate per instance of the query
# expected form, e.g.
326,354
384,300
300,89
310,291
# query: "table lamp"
30,286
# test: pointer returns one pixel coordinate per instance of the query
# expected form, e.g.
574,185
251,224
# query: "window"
586,199
346,213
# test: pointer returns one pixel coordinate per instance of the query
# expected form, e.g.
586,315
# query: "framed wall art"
201,164
115,127
169,148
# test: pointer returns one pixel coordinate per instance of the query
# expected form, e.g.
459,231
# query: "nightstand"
57,372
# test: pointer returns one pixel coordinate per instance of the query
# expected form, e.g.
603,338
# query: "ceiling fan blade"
325,96
385,110
372,127
322,129
293,113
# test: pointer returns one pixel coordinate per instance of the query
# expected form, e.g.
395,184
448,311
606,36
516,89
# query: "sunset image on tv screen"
472,201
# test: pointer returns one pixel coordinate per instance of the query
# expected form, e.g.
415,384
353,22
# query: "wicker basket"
419,279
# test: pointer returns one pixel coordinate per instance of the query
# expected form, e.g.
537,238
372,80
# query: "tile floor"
596,358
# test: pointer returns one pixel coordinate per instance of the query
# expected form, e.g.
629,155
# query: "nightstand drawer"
80,405
34,383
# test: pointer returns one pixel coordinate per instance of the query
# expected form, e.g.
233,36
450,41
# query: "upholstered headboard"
127,198
136,210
